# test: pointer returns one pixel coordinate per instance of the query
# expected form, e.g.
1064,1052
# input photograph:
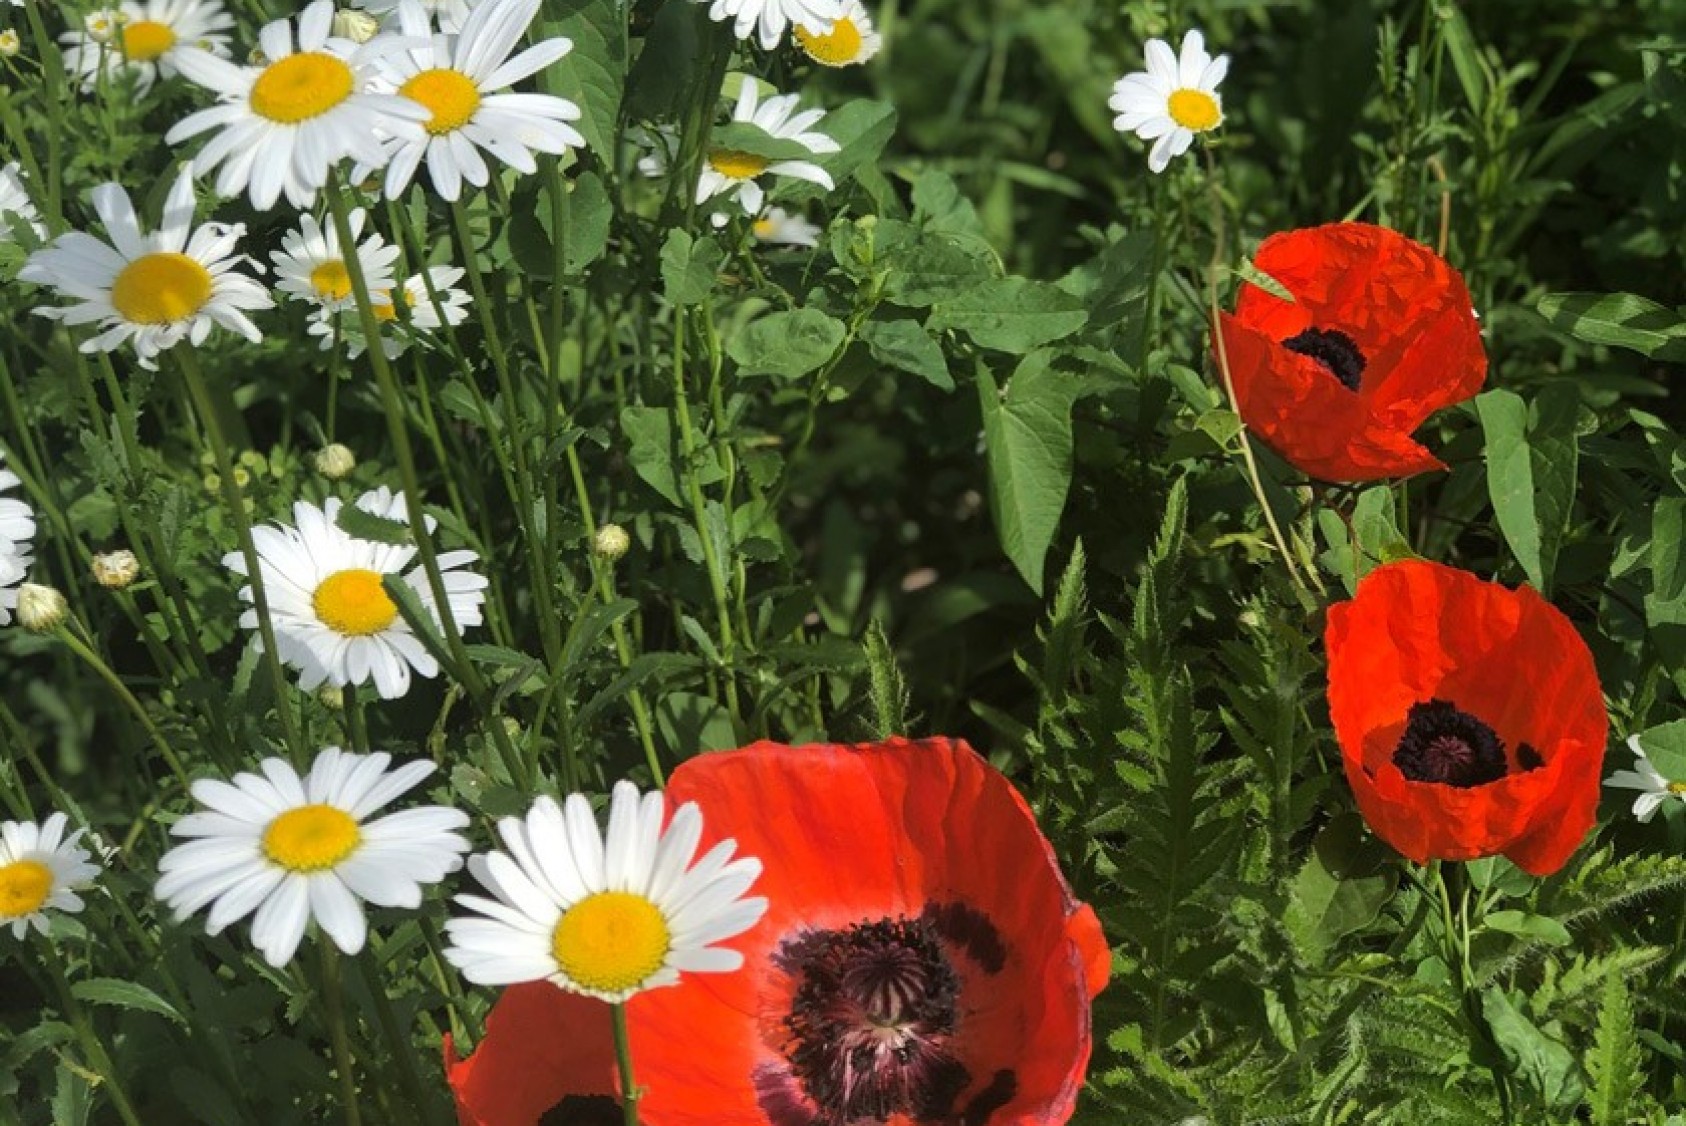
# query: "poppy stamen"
1335,350
1445,745
871,1025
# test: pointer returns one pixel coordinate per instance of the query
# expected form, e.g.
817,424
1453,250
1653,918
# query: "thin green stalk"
623,1060
403,1051
333,999
91,1044
188,361
92,659
357,728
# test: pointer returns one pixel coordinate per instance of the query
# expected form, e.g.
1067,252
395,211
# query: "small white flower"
1171,101
458,79
332,618
10,44
153,290
771,16
733,173
1654,789
451,14
413,295
41,870
17,519
101,24
780,227
850,42
283,124
15,204
311,267
148,41
607,918
301,849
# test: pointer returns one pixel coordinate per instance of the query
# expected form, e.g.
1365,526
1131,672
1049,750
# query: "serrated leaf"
1615,1063
124,994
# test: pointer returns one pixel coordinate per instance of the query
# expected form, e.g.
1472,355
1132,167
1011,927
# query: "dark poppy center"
584,1110
873,1021
1333,349
1446,745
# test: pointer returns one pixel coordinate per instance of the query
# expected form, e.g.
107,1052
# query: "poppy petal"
542,1045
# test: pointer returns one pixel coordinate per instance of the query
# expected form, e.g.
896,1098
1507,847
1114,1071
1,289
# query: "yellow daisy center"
300,87
311,838
386,306
353,603
1677,788
762,228
331,281
838,48
450,94
1195,110
611,941
145,40
24,887
156,289
735,164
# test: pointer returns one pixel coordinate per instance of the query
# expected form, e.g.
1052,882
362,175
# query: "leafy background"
965,469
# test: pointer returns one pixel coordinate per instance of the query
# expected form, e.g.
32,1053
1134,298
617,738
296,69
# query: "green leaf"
1341,888
1524,925
649,434
1624,320
905,346
756,141
364,525
1539,1060
1027,439
1532,463
690,267
1466,56
124,995
787,344
1615,1062
1011,314
592,74
1668,565
587,217
937,267
1665,746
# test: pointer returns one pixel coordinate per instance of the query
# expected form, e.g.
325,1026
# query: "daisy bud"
610,543
41,609
10,44
359,27
332,697
115,570
242,476
213,483
335,461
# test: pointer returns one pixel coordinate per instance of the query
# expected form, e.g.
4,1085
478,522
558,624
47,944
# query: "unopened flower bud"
359,27
242,476
332,697
115,570
10,44
335,461
40,608
611,542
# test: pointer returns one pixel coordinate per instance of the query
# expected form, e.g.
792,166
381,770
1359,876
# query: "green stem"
90,1040
397,1042
93,660
623,1060
333,999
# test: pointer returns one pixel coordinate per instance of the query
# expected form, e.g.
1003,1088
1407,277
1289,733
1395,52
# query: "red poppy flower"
922,961
548,1059
1381,334
1469,717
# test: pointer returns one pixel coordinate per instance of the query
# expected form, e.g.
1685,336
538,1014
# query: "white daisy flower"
1654,789
771,16
415,298
40,871
149,38
850,42
1171,101
778,226
733,172
604,918
311,267
15,203
283,125
457,78
17,519
102,24
153,290
301,849
451,14
333,620
10,44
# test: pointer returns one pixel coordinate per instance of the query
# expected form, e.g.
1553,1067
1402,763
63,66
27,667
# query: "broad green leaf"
787,344
1665,746
1524,925
1624,320
1466,56
938,267
1539,1060
593,74
650,449
125,995
756,141
1011,314
1027,439
861,129
1341,888
1532,464
905,346
1668,565
690,267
